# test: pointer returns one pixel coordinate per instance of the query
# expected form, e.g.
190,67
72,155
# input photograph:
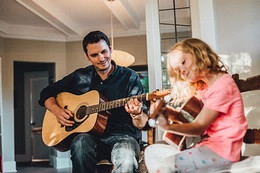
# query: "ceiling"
69,20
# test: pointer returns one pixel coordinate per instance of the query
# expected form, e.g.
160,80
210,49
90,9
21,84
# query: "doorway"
29,79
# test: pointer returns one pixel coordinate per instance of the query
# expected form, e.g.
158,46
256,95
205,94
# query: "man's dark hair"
94,37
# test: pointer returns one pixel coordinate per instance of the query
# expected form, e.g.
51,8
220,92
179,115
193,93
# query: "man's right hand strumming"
62,115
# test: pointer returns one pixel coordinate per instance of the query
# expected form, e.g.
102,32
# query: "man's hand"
62,115
134,108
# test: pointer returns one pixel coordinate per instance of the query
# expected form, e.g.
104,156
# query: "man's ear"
111,50
87,56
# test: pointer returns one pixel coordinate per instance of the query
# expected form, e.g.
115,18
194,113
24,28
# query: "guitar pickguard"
75,125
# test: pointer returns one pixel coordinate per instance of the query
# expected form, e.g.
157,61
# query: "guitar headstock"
159,94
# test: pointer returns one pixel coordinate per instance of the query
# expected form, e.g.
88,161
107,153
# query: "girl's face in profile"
182,63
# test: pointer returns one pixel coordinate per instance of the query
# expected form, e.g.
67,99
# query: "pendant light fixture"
122,58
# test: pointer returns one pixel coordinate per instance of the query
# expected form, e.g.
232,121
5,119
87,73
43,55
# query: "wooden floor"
40,167
42,170
46,168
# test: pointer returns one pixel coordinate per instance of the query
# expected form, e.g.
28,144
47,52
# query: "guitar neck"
112,104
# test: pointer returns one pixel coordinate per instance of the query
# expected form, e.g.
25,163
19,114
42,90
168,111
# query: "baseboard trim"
9,166
60,163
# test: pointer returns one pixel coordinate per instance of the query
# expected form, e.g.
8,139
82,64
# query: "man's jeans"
87,150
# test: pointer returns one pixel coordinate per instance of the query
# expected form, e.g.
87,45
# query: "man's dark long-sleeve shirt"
122,83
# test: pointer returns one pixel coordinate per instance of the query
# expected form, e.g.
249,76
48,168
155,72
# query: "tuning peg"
153,123
167,98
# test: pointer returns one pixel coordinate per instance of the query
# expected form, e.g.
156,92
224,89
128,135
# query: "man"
119,142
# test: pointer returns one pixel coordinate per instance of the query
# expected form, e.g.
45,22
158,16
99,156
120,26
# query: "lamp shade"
122,58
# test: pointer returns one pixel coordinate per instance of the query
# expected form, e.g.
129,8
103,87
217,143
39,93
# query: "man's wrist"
135,117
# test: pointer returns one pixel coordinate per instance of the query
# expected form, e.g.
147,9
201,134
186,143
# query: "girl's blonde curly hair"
204,59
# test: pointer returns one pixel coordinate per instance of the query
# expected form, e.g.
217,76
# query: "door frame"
29,77
20,68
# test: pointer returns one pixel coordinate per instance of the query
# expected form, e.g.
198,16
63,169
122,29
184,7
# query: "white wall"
1,101
238,29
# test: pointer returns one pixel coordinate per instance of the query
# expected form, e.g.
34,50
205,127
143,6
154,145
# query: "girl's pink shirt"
225,134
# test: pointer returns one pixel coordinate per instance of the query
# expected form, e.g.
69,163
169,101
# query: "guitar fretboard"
112,104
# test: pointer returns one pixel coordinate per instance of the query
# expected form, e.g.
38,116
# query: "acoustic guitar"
90,116
188,113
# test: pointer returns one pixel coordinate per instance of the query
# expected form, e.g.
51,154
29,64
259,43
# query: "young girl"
195,69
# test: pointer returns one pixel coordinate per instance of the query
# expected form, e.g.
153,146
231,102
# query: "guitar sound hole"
81,112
